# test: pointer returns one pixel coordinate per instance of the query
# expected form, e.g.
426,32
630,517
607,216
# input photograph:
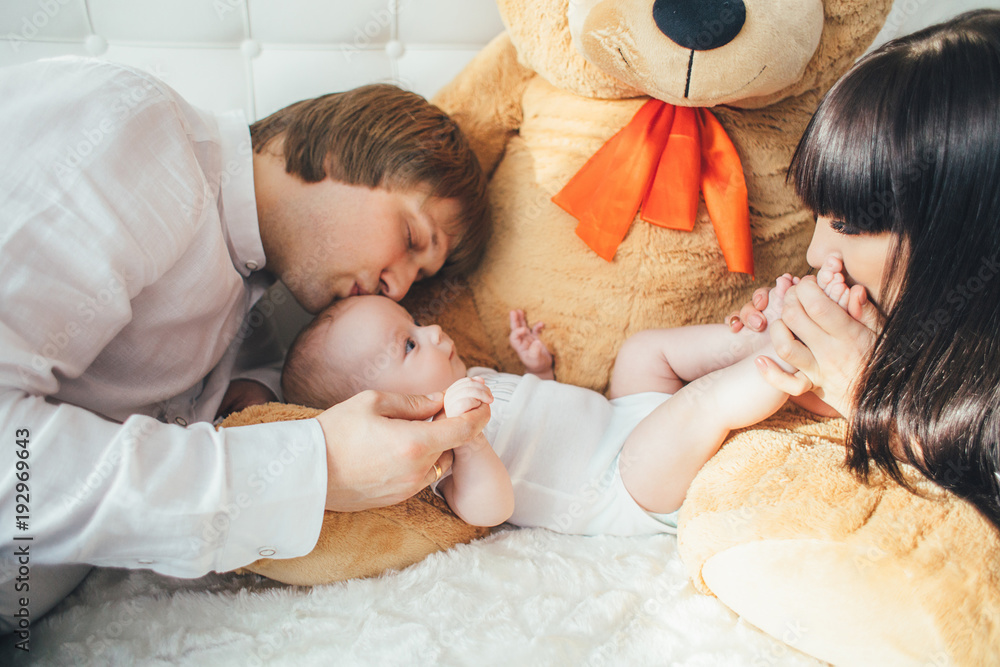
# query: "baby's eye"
409,237
409,346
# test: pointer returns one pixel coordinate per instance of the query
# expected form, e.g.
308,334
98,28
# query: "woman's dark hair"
908,142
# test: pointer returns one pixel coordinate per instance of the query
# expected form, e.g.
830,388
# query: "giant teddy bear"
773,525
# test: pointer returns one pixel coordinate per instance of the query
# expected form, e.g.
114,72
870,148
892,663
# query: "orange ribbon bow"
658,163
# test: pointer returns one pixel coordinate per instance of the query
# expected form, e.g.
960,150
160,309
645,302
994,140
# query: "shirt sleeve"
78,246
180,501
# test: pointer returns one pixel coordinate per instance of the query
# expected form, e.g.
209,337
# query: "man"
136,234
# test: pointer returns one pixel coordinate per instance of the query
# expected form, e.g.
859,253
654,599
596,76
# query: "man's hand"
242,394
380,451
526,342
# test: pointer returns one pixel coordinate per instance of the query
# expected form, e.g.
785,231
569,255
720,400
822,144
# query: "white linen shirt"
129,247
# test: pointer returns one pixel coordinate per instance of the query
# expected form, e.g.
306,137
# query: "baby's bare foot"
830,278
776,297
831,268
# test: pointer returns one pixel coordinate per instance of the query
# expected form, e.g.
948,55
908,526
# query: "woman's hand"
751,315
828,344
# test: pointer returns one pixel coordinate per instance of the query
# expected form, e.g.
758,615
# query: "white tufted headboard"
261,55
258,55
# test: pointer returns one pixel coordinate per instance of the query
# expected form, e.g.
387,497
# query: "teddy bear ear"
540,31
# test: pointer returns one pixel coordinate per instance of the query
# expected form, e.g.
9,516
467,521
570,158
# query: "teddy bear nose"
701,25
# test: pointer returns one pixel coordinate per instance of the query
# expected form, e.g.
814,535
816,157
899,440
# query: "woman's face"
864,255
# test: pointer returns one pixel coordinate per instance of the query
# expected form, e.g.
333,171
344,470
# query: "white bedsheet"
518,597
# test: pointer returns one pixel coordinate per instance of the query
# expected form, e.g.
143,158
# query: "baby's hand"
529,347
830,279
466,394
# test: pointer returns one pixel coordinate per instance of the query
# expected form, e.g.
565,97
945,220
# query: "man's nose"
398,280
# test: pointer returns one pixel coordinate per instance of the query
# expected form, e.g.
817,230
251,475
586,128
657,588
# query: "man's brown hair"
381,136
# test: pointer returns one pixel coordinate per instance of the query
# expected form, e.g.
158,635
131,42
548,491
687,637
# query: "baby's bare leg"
665,360
667,449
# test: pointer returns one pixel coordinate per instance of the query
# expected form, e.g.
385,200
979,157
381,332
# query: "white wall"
911,15
258,55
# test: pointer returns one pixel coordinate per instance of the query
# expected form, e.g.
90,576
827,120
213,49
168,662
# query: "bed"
519,596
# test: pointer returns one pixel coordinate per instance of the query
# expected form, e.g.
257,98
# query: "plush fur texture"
774,526
517,597
536,108
361,544
783,534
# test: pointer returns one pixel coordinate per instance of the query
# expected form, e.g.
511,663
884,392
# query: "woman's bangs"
843,166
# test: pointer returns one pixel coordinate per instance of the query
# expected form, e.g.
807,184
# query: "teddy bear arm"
485,99
781,532
365,543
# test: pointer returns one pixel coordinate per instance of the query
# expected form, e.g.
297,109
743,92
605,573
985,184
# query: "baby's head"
367,342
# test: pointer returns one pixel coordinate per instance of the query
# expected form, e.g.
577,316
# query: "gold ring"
437,472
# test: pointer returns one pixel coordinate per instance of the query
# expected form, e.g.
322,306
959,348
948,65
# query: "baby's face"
391,352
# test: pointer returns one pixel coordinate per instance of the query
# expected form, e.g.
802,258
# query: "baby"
554,455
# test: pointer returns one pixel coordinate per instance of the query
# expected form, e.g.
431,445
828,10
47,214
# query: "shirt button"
181,421
267,551
252,266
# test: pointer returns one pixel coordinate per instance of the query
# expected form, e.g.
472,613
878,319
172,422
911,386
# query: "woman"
901,164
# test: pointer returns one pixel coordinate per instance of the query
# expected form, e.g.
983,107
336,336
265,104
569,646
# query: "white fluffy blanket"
518,597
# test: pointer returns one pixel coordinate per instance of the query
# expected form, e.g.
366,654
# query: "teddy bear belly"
659,277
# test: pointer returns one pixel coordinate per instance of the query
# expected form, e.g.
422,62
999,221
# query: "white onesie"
560,444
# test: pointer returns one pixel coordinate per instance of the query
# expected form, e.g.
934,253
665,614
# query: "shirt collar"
237,203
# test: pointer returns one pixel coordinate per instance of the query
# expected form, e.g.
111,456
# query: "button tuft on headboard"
95,45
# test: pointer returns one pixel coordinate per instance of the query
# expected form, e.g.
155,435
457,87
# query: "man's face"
355,240
378,341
